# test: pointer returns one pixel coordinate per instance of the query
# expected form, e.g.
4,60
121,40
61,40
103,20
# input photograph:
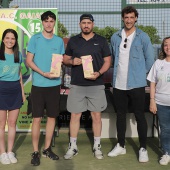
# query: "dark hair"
162,54
48,14
15,47
129,9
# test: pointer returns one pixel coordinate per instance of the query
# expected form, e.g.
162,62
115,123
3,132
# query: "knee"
96,117
12,123
36,121
2,125
75,117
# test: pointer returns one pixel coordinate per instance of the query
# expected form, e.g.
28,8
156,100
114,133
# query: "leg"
12,118
97,126
97,123
74,128
49,131
35,133
3,117
121,103
138,103
164,119
75,124
120,98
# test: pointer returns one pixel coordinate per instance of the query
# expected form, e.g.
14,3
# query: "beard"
86,32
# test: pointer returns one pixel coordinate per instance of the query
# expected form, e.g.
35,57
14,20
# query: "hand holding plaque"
56,65
87,66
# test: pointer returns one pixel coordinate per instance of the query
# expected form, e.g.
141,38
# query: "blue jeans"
164,122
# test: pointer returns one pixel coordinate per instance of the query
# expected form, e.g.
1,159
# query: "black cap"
86,16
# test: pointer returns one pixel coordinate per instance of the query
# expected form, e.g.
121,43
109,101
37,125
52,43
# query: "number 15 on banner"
34,26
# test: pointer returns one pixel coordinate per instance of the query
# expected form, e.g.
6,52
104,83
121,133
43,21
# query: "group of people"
132,57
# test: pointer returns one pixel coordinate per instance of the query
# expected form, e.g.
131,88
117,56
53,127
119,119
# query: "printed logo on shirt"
168,77
96,44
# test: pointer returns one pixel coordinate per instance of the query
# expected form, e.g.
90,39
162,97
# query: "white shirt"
160,74
122,70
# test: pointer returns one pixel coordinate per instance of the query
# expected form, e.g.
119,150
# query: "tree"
152,32
5,3
62,31
106,32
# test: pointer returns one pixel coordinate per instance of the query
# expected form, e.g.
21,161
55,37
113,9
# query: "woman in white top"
159,77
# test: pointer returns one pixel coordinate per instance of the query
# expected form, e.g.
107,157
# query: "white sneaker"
143,155
4,158
72,151
165,159
118,150
97,152
12,157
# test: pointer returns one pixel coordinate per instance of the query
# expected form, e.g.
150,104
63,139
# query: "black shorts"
45,100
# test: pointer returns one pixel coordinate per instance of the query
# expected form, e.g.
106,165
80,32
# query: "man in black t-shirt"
86,93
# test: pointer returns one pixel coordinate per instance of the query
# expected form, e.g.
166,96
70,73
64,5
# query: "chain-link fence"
106,13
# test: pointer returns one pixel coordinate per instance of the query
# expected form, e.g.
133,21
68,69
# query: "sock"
97,140
73,141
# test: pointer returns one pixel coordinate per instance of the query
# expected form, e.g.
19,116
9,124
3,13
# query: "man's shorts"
83,98
45,99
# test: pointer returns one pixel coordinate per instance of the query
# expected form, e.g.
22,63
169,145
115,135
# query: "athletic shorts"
83,98
45,100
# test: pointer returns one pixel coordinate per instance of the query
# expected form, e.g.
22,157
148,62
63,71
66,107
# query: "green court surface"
85,159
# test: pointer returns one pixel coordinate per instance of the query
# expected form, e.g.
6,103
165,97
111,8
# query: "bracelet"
152,98
99,73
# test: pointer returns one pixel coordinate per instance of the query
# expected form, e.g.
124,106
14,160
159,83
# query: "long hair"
162,54
15,47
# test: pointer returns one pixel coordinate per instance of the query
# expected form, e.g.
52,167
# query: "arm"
22,88
31,64
148,53
153,107
67,60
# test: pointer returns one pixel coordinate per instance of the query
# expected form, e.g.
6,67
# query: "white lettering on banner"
30,15
148,1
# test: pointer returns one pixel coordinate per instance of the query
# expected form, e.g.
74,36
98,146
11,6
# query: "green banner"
26,22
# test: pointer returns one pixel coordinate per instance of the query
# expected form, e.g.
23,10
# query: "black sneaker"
35,160
48,153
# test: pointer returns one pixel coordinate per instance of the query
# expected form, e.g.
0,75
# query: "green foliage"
5,3
152,32
106,32
62,31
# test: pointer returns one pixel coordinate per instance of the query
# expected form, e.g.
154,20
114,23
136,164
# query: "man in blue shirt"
45,90
133,57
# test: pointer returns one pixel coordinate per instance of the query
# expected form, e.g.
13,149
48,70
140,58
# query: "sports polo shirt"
97,47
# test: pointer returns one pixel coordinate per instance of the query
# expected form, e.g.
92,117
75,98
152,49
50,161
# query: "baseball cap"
86,16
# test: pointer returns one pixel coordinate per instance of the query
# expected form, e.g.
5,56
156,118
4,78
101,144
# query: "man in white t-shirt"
133,57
